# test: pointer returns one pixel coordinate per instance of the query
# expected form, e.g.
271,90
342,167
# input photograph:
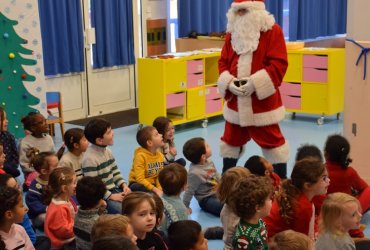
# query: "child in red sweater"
344,178
60,214
293,207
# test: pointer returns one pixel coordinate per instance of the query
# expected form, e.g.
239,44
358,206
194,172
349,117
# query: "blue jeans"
134,186
211,205
114,207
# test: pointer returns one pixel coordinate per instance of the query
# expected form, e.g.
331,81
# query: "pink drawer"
315,61
212,93
195,80
291,102
213,106
288,88
194,66
175,100
315,75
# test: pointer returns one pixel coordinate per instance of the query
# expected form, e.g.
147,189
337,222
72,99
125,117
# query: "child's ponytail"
337,149
308,170
59,177
285,198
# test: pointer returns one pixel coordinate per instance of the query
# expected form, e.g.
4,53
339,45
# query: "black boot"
229,163
280,169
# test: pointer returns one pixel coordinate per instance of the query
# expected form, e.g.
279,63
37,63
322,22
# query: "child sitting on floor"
291,240
186,235
251,200
44,163
229,219
89,193
75,141
148,162
39,138
173,181
293,207
340,213
203,177
260,166
165,127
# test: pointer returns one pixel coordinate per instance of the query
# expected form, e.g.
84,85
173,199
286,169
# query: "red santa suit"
264,64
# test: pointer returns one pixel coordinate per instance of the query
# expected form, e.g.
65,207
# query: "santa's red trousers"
267,137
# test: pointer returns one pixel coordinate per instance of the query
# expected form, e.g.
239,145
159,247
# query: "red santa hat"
248,4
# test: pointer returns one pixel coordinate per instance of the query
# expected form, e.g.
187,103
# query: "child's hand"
173,151
126,189
189,210
157,191
116,197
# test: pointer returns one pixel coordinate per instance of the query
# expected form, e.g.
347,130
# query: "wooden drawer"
195,80
294,71
194,66
175,100
315,61
213,106
291,102
212,93
315,75
288,88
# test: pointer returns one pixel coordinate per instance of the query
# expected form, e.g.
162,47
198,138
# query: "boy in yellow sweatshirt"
148,161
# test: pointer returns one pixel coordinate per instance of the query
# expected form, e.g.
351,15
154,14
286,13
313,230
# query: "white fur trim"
227,151
263,84
260,119
223,81
246,112
244,65
252,5
277,155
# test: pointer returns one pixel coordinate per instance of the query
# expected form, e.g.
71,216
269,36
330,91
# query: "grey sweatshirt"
202,181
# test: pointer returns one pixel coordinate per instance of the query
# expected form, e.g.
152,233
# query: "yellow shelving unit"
314,82
182,88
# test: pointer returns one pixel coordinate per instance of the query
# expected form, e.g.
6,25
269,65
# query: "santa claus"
252,65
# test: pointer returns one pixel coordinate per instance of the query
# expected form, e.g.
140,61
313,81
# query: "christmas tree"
14,96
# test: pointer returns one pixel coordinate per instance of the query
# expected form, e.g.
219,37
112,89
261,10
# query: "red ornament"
24,76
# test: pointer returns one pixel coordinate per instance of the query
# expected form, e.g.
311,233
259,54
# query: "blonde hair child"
59,220
140,208
44,163
291,240
76,142
228,218
340,213
112,225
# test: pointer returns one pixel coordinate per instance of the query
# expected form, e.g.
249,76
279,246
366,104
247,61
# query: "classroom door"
109,89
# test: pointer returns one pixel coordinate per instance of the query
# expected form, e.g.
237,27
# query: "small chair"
54,101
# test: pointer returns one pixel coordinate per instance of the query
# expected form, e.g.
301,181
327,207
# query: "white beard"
246,30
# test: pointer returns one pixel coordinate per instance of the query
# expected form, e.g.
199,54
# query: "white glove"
235,90
248,88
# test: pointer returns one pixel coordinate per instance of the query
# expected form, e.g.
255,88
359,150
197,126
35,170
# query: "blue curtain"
62,36
112,20
314,18
275,7
204,16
